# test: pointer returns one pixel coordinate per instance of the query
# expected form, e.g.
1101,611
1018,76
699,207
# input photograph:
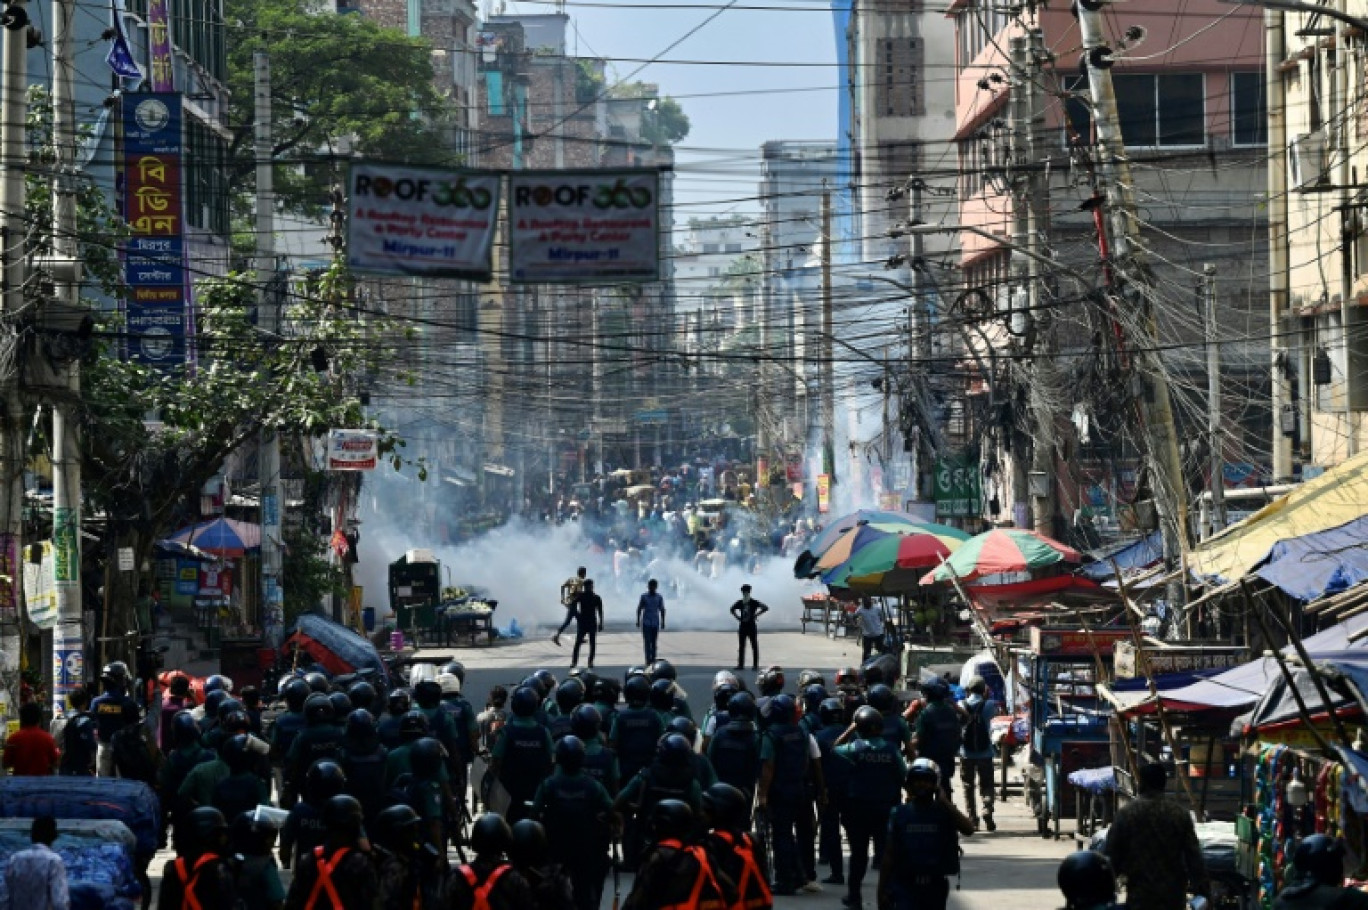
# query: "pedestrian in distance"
78,741
569,592
1153,847
922,847
651,618
588,615
977,751
36,877
31,751
1319,878
939,730
871,622
747,611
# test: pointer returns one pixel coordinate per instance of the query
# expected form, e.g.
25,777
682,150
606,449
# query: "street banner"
584,227
823,492
66,571
353,450
154,253
40,589
431,222
957,487
159,50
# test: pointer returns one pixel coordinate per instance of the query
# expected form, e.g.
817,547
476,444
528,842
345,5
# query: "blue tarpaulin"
1318,564
1135,555
342,650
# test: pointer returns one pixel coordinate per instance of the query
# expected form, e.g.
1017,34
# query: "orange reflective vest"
189,878
324,882
753,892
698,899
481,891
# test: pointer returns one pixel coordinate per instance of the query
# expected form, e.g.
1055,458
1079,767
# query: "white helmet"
450,683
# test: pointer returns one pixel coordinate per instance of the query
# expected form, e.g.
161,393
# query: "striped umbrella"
892,564
839,533
1002,550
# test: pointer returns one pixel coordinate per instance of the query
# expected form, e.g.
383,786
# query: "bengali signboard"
584,227
1076,642
353,450
1181,659
957,487
421,221
154,254
159,52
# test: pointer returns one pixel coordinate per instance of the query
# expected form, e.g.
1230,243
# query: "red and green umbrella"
892,564
838,534
1000,551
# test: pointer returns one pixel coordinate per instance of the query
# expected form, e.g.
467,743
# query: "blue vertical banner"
153,206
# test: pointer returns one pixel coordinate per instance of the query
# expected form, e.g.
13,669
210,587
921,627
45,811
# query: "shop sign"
823,492
353,450
1075,642
957,488
1175,660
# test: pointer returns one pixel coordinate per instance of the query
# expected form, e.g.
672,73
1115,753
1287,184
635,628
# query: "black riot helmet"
425,758
295,691
662,695
570,753
813,696
881,698
318,709
741,706
586,722
362,695
317,682
722,695
726,807
685,728
490,835
525,701
396,829
674,750
342,815
569,694
830,711
662,669
413,725
323,781
205,830
869,722
428,693
671,819
454,668
1087,880
637,691
528,847
399,702
1321,857
810,678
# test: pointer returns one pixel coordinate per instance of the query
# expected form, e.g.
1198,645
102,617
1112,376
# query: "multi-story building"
717,280
1188,79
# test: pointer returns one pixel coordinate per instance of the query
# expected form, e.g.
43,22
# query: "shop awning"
1278,705
1331,500
1138,554
1318,564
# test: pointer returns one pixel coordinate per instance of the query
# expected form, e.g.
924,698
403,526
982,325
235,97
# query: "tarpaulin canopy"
1134,555
337,648
1241,687
1318,564
1278,704
1328,501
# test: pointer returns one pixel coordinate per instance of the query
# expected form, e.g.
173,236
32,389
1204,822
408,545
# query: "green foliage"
340,85
666,125
307,575
589,80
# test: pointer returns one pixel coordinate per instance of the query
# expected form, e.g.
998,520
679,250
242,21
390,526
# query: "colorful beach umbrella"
892,564
1000,551
875,519
224,537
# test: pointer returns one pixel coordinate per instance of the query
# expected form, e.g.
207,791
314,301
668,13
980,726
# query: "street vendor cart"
1070,724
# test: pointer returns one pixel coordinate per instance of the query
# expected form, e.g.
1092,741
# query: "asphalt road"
1012,865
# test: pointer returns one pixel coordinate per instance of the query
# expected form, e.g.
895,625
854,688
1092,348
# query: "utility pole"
1213,358
1170,493
828,367
1284,409
1043,342
1022,290
68,642
919,328
268,315
13,151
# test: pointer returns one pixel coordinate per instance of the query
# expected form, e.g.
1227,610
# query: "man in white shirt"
36,878
871,622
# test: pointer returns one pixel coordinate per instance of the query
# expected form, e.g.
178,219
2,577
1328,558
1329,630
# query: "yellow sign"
354,609
823,492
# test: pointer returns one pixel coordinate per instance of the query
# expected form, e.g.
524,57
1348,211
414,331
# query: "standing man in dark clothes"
1153,847
569,593
588,613
747,611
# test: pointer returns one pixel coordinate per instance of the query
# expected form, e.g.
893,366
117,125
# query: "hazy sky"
717,165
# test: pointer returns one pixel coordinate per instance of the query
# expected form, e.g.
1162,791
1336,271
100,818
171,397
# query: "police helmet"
725,806
212,684
1321,857
605,691
637,691
570,752
295,691
235,755
741,706
813,696
881,698
211,703
873,674
525,701
361,695
184,728
569,694
662,695
361,725
425,758
635,670
935,689
830,711
205,828
849,678
722,695
396,829
399,702
663,669
588,678
226,707
671,819
726,678
343,814
490,834
238,721
810,678
782,709
318,709
586,722
869,722
674,750
454,668
317,682
323,781
115,671
1087,880
923,769
770,681
428,693
449,683
976,683
413,725
685,728
528,847
547,680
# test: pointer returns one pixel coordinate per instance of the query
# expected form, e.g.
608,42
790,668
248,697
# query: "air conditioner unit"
1306,155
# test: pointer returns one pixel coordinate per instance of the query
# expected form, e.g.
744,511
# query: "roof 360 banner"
564,227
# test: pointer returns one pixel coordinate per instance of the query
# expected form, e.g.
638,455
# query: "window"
712,247
197,29
1249,114
206,181
733,248
1165,110
970,167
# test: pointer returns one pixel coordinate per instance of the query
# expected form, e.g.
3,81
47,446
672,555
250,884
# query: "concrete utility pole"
919,347
13,113
1170,492
268,315
68,642
1022,291
828,367
1213,358
1276,94
1045,387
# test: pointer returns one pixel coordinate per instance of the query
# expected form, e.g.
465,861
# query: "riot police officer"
875,784
1088,882
363,761
287,726
522,757
669,777
321,739
726,815
939,731
790,776
637,728
836,771
676,873
398,704
406,866
923,844
735,747
199,876
1319,861
488,882
337,875
577,813
109,709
